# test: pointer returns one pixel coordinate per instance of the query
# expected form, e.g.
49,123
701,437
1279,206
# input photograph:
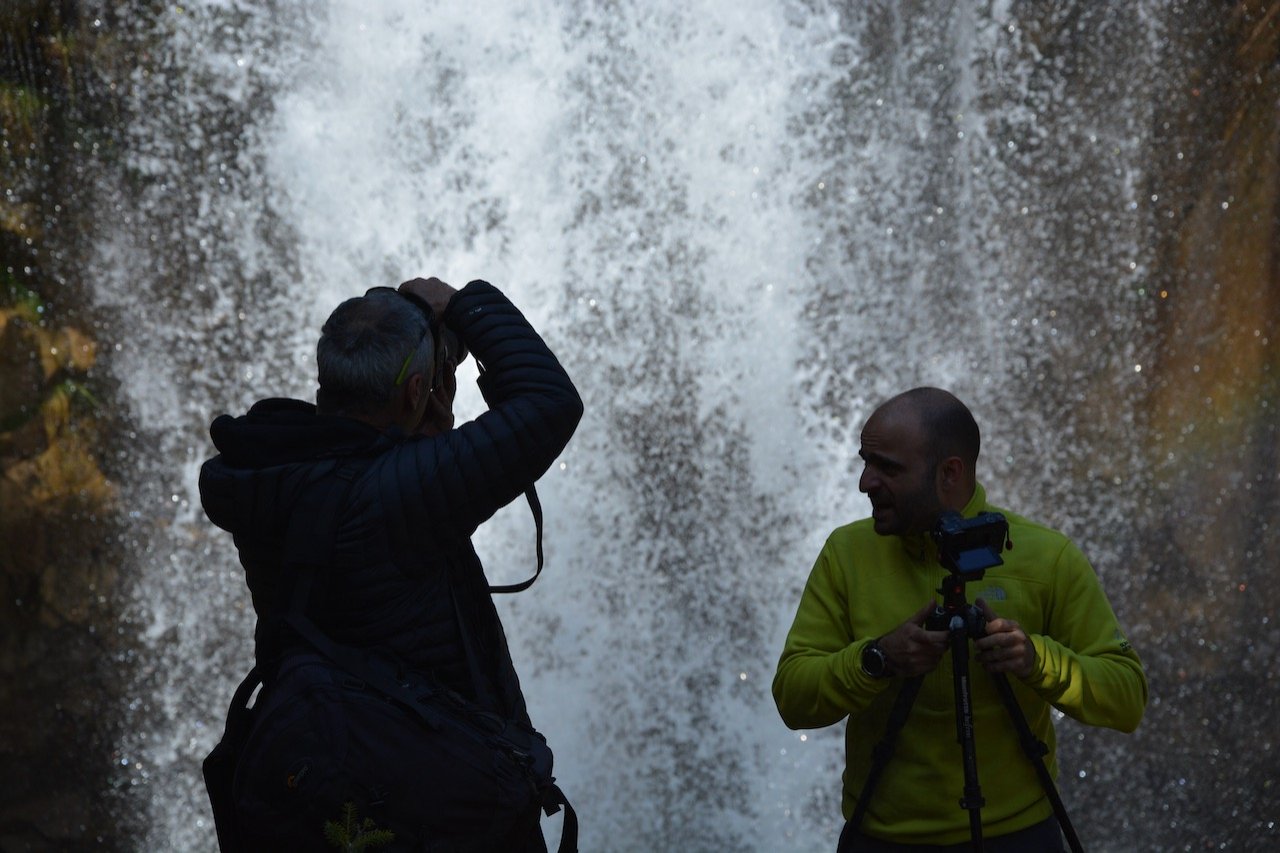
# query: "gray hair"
362,350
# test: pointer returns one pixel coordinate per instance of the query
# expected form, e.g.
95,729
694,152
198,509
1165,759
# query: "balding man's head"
920,449
946,423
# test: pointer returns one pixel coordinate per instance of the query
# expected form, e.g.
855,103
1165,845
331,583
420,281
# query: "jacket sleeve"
819,680
464,476
1085,666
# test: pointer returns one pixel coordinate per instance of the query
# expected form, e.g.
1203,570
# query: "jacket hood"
265,458
281,432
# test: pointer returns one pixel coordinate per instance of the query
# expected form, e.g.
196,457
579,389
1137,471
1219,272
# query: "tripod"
963,621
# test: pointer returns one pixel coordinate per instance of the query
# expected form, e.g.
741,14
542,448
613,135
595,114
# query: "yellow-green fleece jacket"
865,585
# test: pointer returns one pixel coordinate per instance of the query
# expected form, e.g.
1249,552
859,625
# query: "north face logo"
993,593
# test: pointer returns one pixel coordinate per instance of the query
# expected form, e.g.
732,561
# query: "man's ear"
415,389
951,474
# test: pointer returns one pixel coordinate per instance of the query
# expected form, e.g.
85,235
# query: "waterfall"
740,226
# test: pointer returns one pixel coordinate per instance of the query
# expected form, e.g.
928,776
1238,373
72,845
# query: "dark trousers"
1043,837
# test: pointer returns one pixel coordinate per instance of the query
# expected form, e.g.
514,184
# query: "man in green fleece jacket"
860,631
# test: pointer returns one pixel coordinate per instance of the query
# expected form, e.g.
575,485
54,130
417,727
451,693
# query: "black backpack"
342,750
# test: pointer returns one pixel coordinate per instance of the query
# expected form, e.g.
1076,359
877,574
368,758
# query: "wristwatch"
874,662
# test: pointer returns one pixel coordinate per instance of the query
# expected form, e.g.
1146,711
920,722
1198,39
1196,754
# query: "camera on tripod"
969,546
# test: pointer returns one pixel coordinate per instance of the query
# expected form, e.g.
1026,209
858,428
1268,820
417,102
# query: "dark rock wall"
61,658
1211,532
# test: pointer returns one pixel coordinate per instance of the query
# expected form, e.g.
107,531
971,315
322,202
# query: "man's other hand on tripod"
912,650
1006,647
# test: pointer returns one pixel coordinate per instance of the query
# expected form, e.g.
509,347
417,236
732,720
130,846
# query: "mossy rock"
33,360
22,371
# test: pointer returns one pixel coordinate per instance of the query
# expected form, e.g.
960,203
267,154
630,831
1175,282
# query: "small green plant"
353,835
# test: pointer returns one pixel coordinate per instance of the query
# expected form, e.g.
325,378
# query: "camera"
451,348
970,546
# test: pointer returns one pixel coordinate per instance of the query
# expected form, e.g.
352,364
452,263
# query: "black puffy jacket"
404,530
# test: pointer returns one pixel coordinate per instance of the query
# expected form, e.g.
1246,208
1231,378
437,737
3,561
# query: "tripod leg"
972,799
883,750
1035,750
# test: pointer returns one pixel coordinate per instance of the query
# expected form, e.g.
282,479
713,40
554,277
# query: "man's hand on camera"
438,418
910,649
433,291
1006,647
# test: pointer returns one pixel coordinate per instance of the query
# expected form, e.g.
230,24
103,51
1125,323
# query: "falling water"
740,225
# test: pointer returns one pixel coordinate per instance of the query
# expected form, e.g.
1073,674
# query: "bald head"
919,449
946,424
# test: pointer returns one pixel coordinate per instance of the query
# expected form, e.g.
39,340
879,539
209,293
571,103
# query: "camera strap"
535,506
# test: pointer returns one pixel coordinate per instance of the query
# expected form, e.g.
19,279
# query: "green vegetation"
353,835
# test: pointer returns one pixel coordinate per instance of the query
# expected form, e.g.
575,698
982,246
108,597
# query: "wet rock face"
60,659
48,470
23,380
56,582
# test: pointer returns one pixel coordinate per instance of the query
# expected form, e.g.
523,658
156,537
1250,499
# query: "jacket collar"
920,546
977,503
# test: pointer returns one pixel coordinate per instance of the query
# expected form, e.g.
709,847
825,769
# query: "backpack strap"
219,766
484,690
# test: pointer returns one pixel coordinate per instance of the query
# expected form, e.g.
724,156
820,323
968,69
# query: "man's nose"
866,481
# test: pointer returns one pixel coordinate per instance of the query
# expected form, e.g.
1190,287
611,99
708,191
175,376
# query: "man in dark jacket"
401,574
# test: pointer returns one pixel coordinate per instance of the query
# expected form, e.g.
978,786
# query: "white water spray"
739,226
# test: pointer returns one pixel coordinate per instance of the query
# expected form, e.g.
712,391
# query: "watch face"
873,663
